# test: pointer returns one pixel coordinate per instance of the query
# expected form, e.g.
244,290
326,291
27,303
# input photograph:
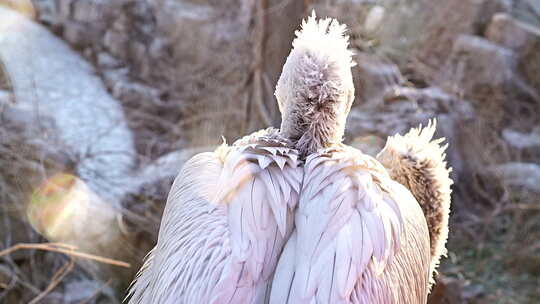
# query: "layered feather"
417,161
227,218
349,228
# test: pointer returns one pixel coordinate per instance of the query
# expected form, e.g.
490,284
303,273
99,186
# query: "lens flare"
65,209
24,7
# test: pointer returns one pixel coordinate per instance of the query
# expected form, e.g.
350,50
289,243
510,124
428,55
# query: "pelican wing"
417,161
227,218
348,231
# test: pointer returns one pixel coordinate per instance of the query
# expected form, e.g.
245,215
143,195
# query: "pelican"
366,230
295,216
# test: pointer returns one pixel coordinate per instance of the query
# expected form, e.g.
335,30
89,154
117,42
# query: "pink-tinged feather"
348,234
228,216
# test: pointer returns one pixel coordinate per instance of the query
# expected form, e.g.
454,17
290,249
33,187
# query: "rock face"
449,20
524,39
524,176
483,72
67,118
184,60
61,86
527,144
511,33
492,65
374,78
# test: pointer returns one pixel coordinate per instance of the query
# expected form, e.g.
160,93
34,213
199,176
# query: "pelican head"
315,90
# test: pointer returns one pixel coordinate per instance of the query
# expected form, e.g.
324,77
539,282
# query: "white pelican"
360,235
342,226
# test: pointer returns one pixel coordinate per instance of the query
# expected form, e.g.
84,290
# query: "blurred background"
101,102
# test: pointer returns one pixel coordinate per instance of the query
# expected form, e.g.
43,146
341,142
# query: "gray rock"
511,33
529,63
80,291
480,63
116,43
81,35
524,39
106,61
170,164
404,108
527,11
51,82
450,19
521,140
487,74
64,9
88,11
525,176
6,98
63,87
373,78
132,93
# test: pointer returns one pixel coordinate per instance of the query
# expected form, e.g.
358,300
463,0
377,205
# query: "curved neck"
314,129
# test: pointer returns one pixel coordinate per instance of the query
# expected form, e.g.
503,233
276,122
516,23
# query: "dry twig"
56,279
65,249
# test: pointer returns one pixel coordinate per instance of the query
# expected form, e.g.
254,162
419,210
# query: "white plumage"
227,217
350,229
345,228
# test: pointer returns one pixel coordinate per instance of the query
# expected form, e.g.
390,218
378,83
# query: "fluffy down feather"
417,161
315,90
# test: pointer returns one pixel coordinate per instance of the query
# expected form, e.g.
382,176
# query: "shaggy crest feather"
324,37
315,90
417,161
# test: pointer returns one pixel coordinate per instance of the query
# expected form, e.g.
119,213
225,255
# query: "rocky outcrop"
522,38
64,120
511,33
183,60
482,72
523,176
374,78
450,19
522,140
50,80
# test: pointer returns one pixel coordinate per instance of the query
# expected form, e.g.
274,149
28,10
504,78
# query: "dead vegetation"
65,269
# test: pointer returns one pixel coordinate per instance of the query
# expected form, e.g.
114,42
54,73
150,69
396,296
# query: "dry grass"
55,280
65,269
